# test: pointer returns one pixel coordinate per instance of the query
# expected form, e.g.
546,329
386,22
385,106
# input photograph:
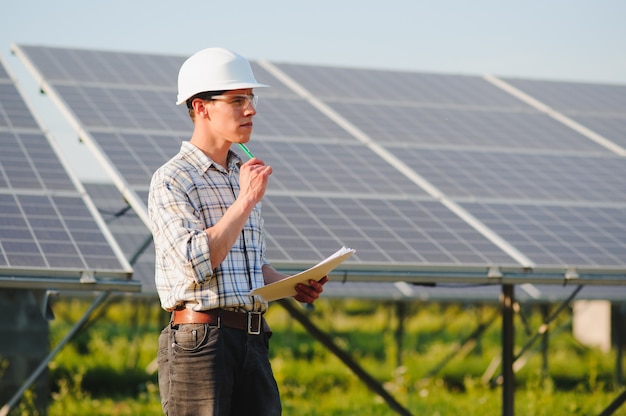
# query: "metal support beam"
322,337
544,326
465,346
508,343
615,405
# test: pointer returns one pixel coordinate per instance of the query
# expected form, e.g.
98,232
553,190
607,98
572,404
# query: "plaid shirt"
189,194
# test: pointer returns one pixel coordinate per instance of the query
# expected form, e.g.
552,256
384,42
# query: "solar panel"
319,166
294,119
576,97
48,228
473,149
520,176
133,236
364,86
14,111
406,124
599,107
85,66
105,106
585,237
401,166
391,232
613,128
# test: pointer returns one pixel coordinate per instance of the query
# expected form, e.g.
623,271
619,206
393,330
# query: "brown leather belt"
251,322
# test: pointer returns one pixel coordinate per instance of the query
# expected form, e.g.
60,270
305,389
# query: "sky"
565,40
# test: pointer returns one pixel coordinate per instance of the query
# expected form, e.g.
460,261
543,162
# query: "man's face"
231,115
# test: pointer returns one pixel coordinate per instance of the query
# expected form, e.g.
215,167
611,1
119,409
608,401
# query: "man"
205,209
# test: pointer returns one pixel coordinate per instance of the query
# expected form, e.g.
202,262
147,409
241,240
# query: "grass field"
108,368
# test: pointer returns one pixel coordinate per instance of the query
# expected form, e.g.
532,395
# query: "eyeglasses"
238,100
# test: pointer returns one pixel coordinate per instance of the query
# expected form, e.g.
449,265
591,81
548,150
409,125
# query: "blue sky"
570,40
553,39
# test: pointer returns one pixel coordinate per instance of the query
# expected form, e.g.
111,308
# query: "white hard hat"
214,69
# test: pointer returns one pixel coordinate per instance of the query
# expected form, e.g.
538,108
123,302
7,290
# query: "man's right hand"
253,177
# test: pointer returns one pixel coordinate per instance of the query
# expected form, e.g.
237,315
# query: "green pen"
245,149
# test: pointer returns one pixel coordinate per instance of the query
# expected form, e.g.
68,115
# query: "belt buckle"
252,328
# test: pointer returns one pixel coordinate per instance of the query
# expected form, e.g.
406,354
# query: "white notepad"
287,286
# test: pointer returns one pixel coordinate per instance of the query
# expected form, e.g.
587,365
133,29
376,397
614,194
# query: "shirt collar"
203,163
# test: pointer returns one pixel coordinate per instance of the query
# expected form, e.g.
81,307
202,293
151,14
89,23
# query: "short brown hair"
204,96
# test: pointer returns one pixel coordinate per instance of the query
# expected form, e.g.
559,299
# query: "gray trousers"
210,371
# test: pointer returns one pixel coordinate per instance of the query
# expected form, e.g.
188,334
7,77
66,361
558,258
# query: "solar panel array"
48,227
136,242
428,176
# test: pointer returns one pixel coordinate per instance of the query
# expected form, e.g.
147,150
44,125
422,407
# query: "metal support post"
508,342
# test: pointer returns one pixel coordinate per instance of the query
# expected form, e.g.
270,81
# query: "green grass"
107,368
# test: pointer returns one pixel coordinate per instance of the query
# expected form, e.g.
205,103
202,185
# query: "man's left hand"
309,293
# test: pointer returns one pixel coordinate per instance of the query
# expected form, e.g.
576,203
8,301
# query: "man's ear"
200,107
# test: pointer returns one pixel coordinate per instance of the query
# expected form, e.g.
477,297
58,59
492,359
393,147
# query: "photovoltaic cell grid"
13,110
293,119
515,175
126,108
585,237
28,162
46,228
363,86
83,66
444,116
140,147
323,162
138,139
130,231
438,110
480,147
599,107
137,155
576,97
347,168
43,235
449,128
392,232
